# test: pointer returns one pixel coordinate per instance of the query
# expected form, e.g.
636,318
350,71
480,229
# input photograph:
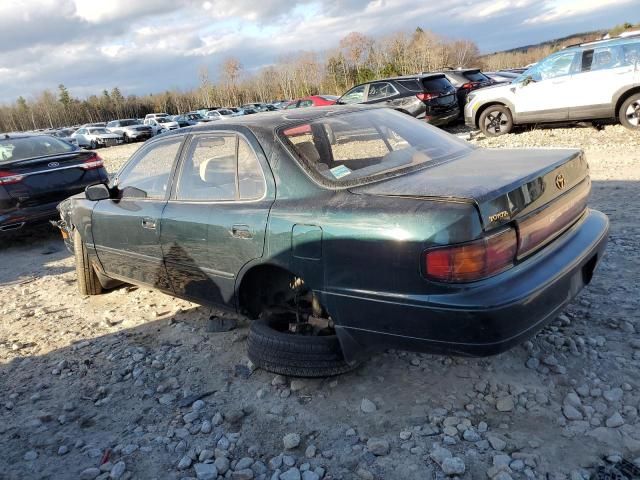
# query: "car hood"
106,135
492,90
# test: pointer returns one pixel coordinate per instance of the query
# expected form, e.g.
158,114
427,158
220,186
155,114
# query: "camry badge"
560,181
53,165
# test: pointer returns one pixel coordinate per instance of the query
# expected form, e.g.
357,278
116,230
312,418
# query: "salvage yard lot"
103,378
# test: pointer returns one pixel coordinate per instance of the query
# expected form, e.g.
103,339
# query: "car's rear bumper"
20,218
443,118
484,318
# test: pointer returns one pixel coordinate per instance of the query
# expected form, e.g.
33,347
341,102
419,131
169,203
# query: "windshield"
163,120
13,149
354,147
127,123
98,131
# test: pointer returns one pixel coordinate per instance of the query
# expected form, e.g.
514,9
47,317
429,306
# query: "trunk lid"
504,184
50,178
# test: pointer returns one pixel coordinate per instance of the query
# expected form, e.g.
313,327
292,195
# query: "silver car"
161,124
94,137
130,129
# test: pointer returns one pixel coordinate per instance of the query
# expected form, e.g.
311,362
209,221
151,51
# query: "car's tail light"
93,162
542,227
472,261
469,85
9,178
425,97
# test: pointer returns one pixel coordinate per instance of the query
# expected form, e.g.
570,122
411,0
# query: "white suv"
591,81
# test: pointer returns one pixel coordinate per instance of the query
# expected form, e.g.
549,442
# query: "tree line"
356,59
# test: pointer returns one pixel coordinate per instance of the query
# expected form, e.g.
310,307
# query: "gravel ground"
134,384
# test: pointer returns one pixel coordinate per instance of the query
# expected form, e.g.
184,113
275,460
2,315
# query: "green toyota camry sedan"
341,230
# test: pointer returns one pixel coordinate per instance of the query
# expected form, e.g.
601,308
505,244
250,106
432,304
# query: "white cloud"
144,46
565,10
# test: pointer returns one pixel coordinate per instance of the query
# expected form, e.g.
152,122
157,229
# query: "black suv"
430,97
466,81
39,171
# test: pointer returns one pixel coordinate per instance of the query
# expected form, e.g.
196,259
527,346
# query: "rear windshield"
98,131
356,147
14,149
476,76
440,84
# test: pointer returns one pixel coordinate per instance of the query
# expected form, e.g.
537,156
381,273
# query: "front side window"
305,103
355,95
552,67
380,90
149,170
356,147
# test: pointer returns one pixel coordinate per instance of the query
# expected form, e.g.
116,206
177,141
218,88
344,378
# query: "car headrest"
217,171
309,151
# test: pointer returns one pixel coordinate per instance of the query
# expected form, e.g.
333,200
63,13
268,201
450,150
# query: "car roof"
10,135
275,119
606,42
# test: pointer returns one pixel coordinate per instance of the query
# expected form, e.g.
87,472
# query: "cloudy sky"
146,46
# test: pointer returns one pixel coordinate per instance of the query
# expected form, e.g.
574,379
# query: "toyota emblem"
560,181
53,165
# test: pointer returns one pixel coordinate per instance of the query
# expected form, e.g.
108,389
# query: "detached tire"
88,283
272,348
496,120
629,113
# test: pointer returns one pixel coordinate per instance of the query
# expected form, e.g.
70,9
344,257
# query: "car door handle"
149,223
241,231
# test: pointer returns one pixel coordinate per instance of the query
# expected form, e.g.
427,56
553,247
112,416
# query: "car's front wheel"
88,283
125,138
496,120
275,348
629,113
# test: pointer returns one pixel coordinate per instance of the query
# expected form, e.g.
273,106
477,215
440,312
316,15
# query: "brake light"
92,163
469,85
472,261
9,178
426,96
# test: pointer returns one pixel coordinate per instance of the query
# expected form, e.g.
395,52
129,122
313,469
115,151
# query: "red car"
313,101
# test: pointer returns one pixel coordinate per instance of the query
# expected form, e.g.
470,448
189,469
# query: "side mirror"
529,79
97,192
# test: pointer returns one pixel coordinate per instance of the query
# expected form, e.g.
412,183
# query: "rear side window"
209,169
220,168
22,148
476,77
631,53
602,58
411,85
380,90
438,84
251,181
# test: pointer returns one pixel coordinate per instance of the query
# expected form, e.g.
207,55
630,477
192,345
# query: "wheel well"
264,285
476,119
624,97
